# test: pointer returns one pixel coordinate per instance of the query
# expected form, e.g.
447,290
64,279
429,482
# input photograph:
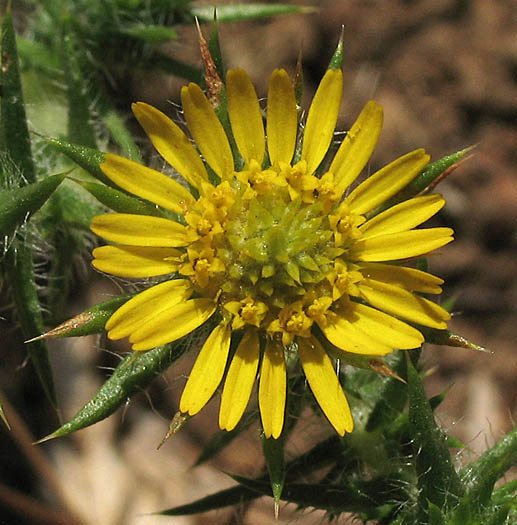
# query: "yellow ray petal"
206,129
147,183
136,261
384,328
403,216
386,182
322,119
245,116
207,371
139,230
324,384
343,333
397,301
282,118
133,314
239,381
357,146
172,324
400,245
409,278
171,143
272,389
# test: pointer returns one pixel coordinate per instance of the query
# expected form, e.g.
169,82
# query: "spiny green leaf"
356,497
274,456
19,269
80,103
236,12
435,515
70,208
119,201
480,475
506,493
318,457
496,515
118,130
448,338
18,204
437,478
131,376
87,158
336,62
496,460
150,34
35,55
223,498
215,49
91,321
17,263
14,134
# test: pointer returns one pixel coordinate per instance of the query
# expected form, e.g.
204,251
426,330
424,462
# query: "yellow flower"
272,246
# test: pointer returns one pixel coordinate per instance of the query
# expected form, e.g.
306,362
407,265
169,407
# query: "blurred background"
446,74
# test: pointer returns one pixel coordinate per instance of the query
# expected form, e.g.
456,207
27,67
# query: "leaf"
274,456
506,493
223,498
80,100
91,321
336,62
496,515
131,376
19,269
119,201
360,496
214,48
448,338
18,204
236,12
87,158
14,134
17,263
437,479
118,130
150,34
480,475
435,515
318,457
494,462
35,55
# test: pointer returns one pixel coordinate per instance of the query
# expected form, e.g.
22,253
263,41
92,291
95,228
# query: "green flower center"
271,245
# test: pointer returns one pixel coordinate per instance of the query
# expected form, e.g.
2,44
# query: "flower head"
271,245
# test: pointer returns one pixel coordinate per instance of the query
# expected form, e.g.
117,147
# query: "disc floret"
268,248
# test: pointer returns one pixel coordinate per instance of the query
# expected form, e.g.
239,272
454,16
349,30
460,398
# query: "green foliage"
395,468
18,204
17,266
130,377
438,482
